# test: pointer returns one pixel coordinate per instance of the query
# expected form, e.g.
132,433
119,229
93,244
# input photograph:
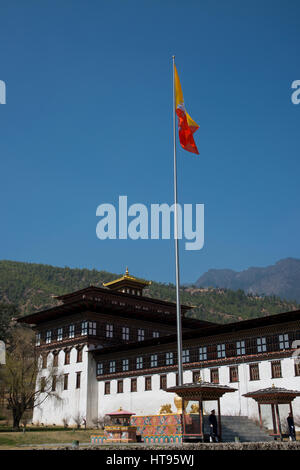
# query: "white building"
110,347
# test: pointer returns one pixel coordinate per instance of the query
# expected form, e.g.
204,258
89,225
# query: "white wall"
149,402
71,401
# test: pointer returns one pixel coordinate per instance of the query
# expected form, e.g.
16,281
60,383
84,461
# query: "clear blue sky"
89,117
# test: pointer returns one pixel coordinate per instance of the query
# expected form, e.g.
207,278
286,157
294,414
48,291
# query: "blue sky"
89,117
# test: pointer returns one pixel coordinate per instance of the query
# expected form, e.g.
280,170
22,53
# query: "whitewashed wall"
91,402
149,402
71,401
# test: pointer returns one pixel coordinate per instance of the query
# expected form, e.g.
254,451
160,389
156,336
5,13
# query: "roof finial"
273,386
126,272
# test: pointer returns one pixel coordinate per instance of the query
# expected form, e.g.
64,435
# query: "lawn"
18,439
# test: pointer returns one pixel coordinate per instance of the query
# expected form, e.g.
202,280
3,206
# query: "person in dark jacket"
213,425
291,425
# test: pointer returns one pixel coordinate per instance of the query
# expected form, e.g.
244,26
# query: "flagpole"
178,309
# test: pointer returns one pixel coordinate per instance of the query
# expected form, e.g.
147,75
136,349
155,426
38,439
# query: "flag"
186,125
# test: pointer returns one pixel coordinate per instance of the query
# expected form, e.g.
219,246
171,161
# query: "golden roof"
127,278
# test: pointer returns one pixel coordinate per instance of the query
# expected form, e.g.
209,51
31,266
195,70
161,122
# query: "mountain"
32,287
281,279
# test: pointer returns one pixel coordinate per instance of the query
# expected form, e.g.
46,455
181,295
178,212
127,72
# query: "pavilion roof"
120,412
273,394
202,391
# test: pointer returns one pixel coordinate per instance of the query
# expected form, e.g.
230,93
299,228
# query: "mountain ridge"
281,279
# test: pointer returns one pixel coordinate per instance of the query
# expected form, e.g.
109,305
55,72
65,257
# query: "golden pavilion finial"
126,272
120,409
273,386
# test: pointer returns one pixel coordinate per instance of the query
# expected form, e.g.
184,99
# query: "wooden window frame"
133,385
120,386
106,388
254,368
78,380
148,383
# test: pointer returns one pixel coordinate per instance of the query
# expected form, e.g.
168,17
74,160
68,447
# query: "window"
261,345
43,384
297,369
78,379
125,365
155,334
109,331
163,382
221,352
59,334
196,376
107,388
84,328
125,333
240,348
133,385
139,362
79,355
100,368
148,384
214,376
72,331
141,335
54,380
44,361
55,359
66,379
185,356
48,337
276,369
203,353
169,359
38,339
112,367
67,357
153,362
233,374
120,386
284,341
92,328
254,371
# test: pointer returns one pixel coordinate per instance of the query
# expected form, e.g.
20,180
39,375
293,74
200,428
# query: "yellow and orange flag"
186,125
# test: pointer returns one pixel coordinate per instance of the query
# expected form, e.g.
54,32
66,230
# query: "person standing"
291,425
213,425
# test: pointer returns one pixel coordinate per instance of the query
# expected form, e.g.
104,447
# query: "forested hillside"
32,287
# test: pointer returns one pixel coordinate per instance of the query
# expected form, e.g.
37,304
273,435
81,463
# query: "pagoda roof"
120,412
273,394
102,300
202,391
127,280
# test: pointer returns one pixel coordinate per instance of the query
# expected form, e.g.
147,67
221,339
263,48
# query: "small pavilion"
273,396
200,392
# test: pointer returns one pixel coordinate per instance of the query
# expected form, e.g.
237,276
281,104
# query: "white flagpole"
178,309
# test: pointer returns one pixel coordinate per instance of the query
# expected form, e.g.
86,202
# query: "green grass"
17,439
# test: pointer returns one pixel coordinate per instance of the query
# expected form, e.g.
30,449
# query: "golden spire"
126,272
